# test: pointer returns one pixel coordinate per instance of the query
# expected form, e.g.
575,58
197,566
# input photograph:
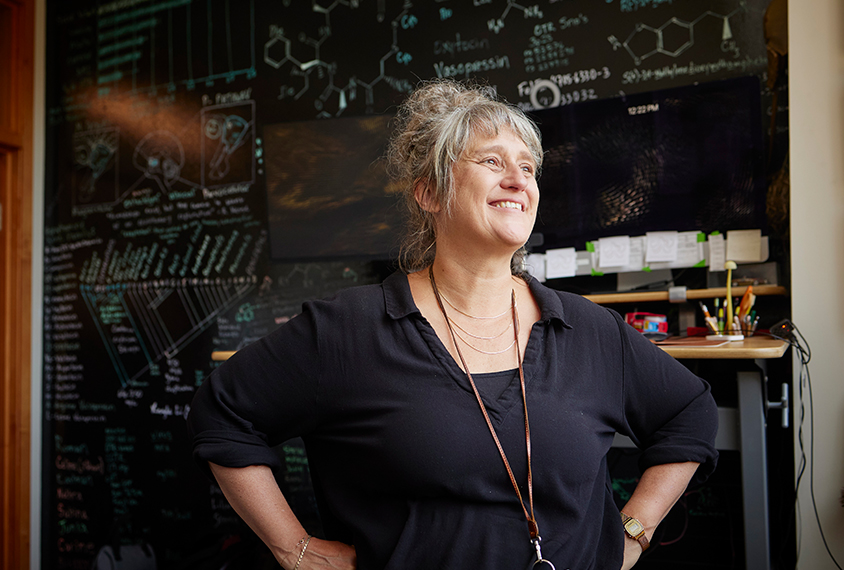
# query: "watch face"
634,527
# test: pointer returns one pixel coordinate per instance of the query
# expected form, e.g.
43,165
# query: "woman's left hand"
632,552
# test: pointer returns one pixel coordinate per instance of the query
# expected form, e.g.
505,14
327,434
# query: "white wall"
816,111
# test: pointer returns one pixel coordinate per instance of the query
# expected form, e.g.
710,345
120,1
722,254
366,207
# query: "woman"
459,414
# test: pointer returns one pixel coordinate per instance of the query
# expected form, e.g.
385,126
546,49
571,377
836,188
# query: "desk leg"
754,471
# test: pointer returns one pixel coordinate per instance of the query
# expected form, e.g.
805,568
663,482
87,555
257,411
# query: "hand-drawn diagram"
95,173
228,144
161,157
674,37
138,47
141,323
278,53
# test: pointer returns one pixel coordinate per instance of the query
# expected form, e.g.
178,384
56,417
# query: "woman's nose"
515,178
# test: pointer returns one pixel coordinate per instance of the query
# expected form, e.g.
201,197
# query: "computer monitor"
689,158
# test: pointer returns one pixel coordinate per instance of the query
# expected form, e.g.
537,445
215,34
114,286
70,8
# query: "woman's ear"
426,198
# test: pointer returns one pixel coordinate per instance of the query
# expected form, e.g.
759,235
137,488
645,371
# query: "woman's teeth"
510,205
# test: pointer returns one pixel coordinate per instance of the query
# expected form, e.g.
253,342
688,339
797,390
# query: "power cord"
788,331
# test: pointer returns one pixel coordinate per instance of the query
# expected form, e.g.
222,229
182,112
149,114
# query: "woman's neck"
478,289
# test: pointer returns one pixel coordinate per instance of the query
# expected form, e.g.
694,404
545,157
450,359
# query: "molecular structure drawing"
278,53
495,25
682,34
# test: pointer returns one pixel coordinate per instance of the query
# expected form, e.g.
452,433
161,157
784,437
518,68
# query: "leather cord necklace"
533,527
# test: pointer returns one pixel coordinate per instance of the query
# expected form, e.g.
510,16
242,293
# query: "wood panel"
15,280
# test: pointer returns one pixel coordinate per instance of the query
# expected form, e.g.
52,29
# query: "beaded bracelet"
306,541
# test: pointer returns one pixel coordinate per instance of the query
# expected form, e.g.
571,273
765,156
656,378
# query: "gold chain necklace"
475,348
472,316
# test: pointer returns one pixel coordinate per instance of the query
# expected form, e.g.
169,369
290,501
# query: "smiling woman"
459,414
437,125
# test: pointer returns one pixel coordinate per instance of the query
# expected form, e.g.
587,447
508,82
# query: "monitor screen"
328,193
689,158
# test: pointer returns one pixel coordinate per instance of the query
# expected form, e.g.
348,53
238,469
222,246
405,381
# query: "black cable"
795,338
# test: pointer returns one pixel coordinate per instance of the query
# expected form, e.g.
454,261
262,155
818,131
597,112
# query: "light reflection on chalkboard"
327,191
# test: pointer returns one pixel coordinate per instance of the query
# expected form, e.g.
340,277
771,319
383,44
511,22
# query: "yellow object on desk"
729,266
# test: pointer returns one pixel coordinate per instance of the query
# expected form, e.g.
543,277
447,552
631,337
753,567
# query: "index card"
560,263
717,252
535,263
662,246
613,251
744,245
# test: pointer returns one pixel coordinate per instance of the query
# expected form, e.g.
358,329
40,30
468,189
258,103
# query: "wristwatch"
635,530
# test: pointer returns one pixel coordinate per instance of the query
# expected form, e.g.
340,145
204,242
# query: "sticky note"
717,252
662,246
560,263
744,245
689,249
613,251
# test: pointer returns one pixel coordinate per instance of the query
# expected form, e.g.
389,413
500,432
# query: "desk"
752,406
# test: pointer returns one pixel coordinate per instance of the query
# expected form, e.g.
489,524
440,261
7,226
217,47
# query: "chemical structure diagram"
278,53
675,36
495,25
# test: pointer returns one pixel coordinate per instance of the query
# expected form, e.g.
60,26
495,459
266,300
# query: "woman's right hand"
327,555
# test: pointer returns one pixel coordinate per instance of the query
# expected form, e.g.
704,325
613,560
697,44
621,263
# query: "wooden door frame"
16,197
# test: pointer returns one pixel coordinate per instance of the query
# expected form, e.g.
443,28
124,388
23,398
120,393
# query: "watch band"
635,530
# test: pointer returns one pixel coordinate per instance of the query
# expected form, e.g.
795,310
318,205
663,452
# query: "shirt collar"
399,301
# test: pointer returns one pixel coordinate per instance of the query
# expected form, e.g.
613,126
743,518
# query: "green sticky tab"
715,233
646,269
596,273
701,237
590,247
701,263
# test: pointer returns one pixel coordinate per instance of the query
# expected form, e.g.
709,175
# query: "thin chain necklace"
475,348
533,527
472,316
479,337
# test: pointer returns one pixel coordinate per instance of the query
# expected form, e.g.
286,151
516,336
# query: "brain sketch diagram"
161,157
95,157
228,144
226,151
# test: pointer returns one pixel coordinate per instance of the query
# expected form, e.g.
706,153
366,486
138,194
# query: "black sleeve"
265,394
669,412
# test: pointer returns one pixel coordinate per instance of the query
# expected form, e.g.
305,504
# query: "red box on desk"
647,322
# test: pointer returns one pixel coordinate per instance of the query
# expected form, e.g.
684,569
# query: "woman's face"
495,194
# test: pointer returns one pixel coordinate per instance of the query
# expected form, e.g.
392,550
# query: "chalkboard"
156,234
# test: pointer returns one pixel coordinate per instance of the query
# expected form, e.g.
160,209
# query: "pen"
710,321
746,302
713,325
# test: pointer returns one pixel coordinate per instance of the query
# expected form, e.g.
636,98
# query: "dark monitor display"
689,158
328,193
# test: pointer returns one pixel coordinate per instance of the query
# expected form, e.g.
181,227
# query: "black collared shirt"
401,457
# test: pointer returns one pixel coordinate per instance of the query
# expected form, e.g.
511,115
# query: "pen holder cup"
727,334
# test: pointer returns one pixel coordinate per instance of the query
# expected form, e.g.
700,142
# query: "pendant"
541,563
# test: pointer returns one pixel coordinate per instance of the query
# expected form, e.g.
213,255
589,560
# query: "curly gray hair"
435,125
